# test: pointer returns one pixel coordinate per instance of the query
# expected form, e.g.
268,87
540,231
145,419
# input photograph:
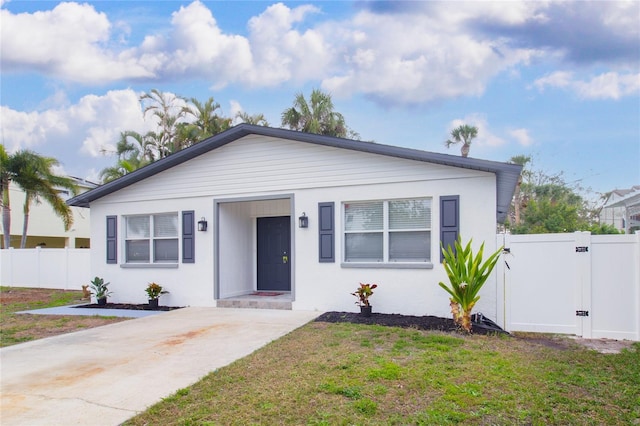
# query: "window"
151,239
388,231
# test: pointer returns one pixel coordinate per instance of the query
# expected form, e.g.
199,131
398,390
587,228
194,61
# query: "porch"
258,300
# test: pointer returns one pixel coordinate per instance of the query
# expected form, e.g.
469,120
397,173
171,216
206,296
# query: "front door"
274,253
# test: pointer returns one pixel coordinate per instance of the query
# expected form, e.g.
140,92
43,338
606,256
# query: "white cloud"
521,136
415,57
91,126
555,79
422,52
70,41
610,85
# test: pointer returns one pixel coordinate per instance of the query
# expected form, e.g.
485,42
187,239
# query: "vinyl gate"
581,284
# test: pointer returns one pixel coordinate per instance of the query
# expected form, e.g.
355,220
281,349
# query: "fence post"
637,282
583,276
501,291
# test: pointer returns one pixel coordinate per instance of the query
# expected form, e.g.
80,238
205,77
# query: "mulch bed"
426,322
141,307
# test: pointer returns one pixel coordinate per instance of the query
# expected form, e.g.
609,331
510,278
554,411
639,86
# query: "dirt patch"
426,322
10,296
129,306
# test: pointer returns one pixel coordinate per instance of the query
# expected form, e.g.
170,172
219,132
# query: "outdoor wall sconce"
303,221
202,224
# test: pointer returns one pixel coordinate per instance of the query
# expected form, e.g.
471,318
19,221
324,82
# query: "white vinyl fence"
582,284
65,268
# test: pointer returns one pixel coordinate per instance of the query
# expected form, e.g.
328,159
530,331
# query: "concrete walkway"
74,310
105,375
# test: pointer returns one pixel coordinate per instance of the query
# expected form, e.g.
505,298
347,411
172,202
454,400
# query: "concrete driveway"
105,375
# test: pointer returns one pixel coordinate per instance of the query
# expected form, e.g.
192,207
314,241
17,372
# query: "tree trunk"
25,226
465,150
517,202
6,217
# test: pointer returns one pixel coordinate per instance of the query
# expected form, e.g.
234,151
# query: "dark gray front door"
274,253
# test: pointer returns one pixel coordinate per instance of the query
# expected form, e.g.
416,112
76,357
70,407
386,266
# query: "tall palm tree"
316,116
33,174
462,134
165,108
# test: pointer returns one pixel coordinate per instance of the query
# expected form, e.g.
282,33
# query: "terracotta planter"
153,303
365,311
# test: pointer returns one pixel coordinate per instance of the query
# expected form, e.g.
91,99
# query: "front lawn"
344,374
18,328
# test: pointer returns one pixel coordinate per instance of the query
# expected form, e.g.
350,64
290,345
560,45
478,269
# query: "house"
45,228
622,209
310,216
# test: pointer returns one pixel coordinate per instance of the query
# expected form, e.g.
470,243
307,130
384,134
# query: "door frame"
216,240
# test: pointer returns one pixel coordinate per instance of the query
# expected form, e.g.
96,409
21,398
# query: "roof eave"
506,174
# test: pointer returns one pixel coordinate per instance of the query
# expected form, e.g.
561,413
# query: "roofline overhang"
506,173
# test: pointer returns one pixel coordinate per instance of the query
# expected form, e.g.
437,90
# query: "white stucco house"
374,214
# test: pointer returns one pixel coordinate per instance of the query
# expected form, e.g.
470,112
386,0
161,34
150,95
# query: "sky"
556,81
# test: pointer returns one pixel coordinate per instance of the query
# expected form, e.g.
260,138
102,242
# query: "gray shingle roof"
506,173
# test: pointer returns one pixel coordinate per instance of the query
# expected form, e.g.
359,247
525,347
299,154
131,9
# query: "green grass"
19,328
344,374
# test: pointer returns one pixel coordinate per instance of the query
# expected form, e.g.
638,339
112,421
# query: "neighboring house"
622,209
375,214
45,229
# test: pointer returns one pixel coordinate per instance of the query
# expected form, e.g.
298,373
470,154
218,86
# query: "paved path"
105,375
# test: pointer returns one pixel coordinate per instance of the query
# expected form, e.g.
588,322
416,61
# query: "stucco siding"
260,164
327,286
296,176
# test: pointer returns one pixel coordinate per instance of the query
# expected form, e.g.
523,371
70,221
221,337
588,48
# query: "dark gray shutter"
112,239
326,232
449,220
188,237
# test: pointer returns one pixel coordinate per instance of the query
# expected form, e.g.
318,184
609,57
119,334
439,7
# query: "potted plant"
362,294
154,291
100,290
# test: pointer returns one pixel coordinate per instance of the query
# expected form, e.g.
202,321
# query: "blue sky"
559,81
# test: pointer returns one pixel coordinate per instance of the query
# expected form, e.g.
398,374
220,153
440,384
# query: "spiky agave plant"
467,274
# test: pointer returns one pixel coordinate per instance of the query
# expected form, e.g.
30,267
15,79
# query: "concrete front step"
254,303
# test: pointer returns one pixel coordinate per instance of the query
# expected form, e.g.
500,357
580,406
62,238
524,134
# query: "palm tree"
463,134
133,143
164,107
33,174
518,202
207,122
256,119
316,116
123,166
134,151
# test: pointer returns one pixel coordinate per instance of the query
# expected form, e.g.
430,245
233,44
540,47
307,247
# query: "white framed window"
151,238
387,231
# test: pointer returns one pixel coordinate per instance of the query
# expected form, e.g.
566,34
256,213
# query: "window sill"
392,265
148,265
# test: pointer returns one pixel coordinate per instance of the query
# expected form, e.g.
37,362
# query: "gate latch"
582,313
582,249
